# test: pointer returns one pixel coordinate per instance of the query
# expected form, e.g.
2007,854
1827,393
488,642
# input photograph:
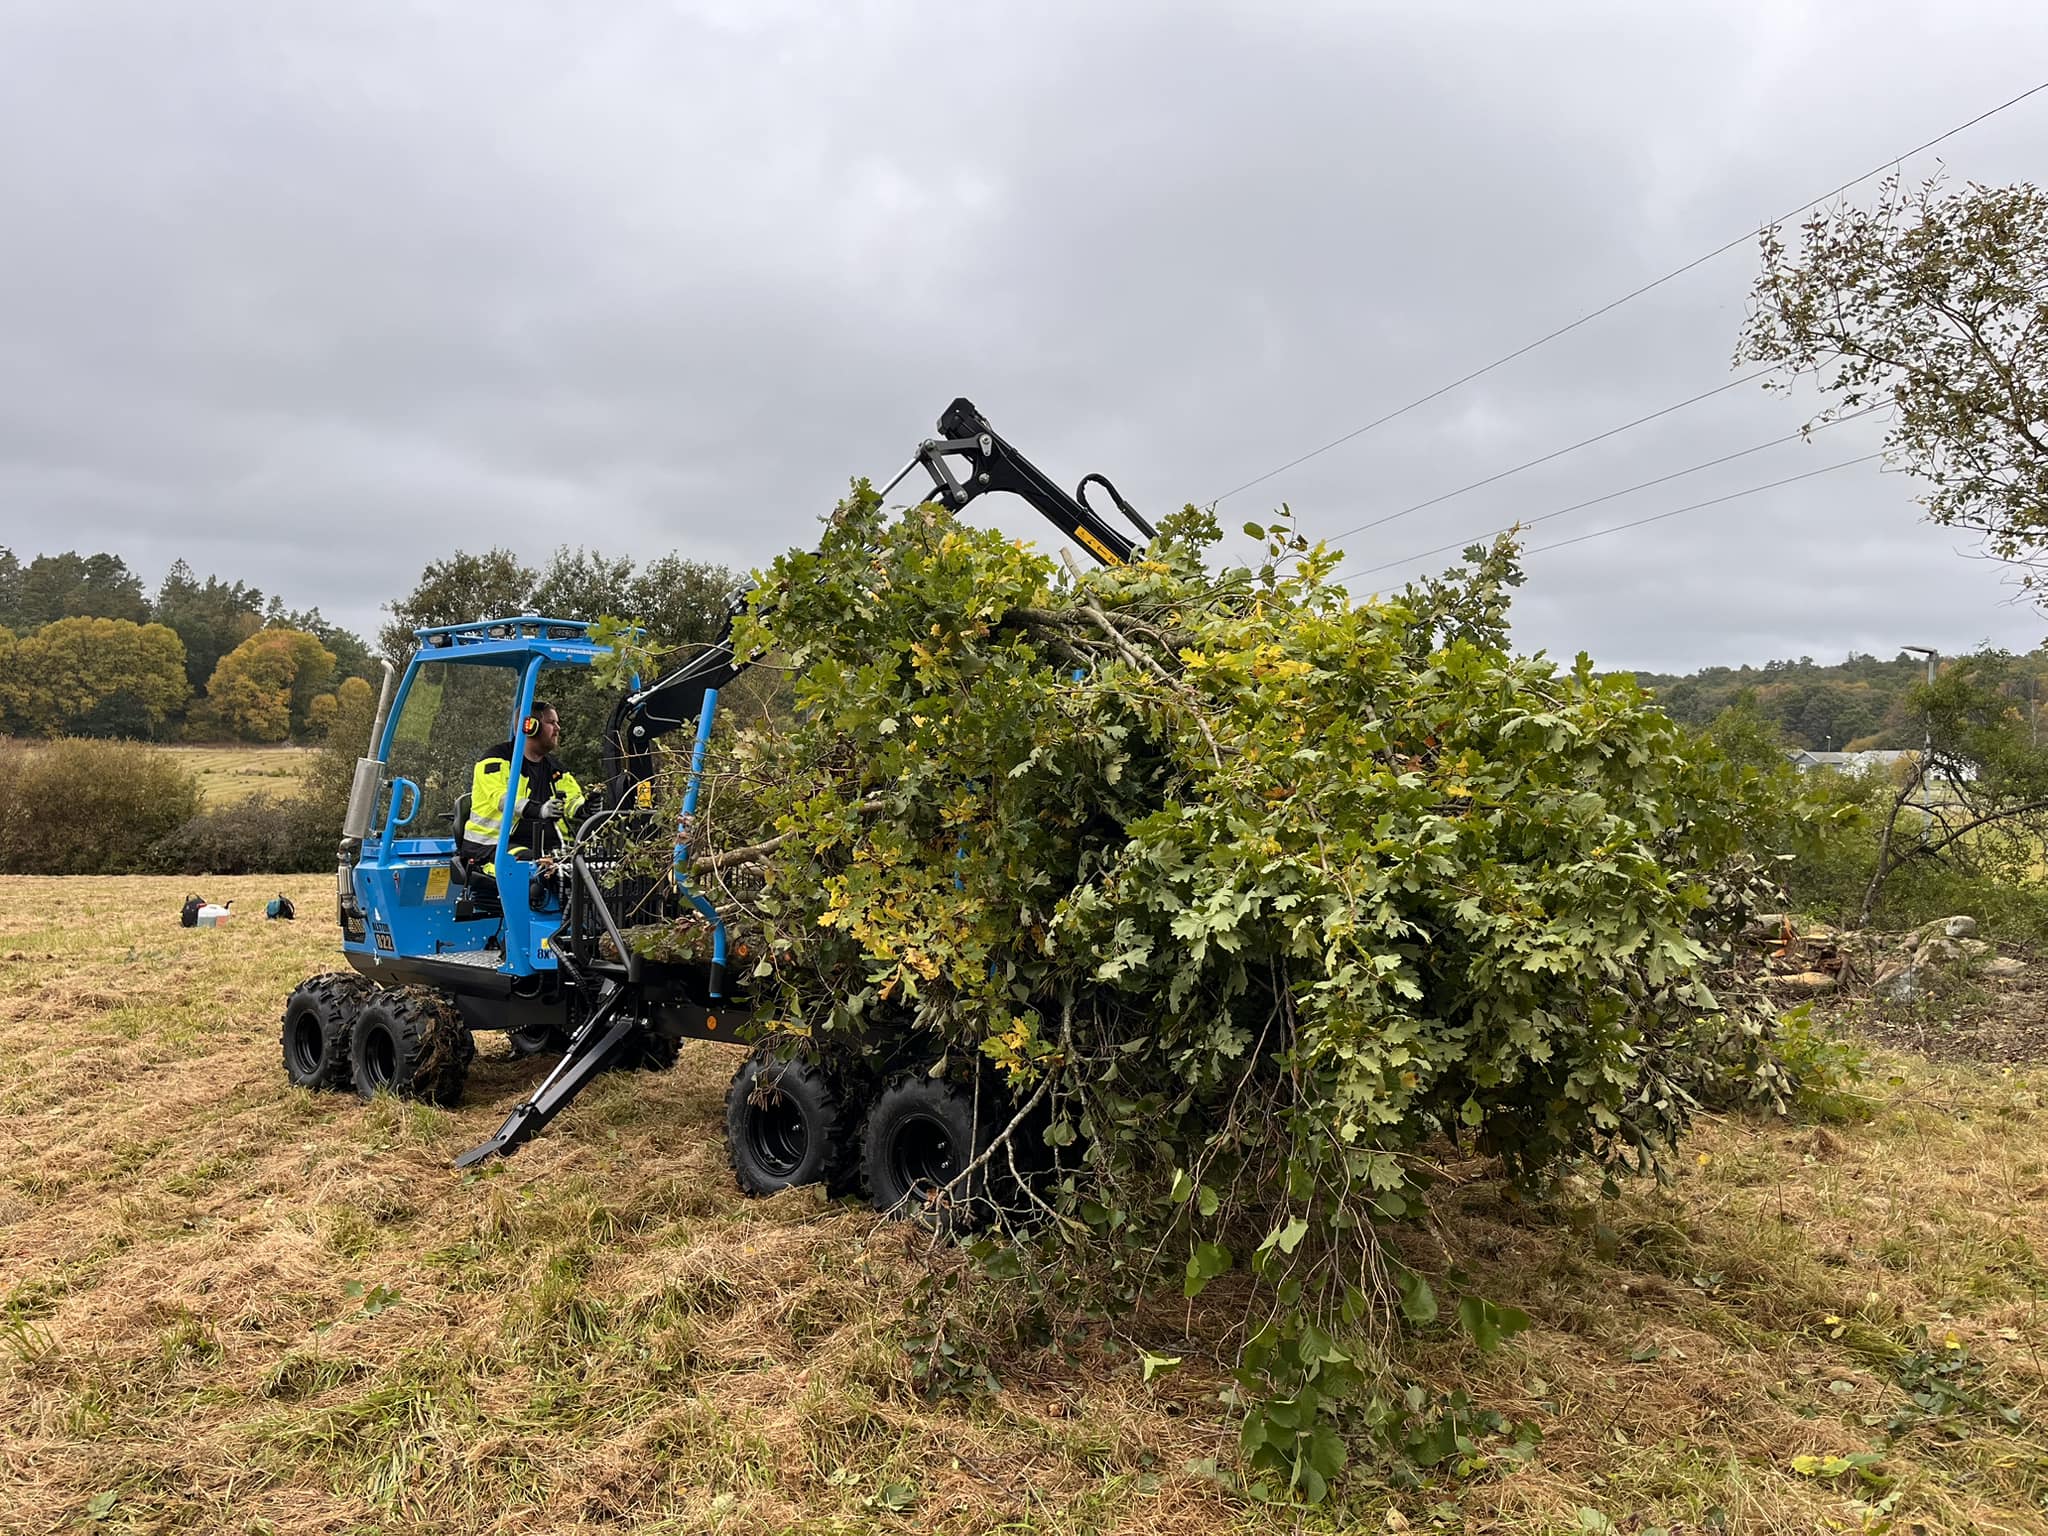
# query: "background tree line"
1861,703
679,604
85,651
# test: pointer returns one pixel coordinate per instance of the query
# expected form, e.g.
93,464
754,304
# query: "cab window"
454,713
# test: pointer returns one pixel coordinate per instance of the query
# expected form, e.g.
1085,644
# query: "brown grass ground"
233,1306
230,773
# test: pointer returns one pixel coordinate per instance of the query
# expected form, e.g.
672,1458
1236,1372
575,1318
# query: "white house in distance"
1881,761
1847,762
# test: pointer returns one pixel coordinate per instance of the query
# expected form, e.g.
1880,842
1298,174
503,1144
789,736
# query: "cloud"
310,297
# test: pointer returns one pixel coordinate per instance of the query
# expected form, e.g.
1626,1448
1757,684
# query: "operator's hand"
553,809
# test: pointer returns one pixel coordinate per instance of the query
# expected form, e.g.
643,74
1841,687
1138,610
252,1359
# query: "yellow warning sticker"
1101,549
644,796
437,883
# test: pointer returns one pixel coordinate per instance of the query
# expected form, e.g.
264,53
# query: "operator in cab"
549,796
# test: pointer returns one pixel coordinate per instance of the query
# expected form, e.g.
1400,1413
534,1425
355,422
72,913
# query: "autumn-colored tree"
94,677
352,699
263,690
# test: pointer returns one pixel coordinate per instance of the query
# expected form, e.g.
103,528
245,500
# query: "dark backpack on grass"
281,908
188,915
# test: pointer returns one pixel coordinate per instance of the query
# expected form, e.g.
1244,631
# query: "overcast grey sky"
312,294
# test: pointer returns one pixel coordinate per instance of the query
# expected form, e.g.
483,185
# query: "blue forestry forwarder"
439,948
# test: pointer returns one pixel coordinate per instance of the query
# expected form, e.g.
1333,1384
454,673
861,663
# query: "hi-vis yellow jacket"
538,783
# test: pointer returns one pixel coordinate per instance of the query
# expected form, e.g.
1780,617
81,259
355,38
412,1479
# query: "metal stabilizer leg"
590,1051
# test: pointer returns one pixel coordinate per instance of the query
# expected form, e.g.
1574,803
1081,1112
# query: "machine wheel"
319,1017
785,1125
540,1040
655,1053
921,1136
411,1043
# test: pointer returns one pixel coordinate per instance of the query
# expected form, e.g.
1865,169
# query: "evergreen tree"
212,618
71,585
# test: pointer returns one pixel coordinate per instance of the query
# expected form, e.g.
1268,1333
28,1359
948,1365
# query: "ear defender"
529,725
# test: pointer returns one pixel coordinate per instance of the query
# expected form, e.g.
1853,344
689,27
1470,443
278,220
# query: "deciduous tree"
352,697
677,603
460,589
263,690
95,677
1935,304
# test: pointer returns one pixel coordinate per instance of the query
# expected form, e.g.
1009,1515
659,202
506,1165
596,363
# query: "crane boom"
987,464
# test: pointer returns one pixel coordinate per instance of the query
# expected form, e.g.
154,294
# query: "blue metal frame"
685,828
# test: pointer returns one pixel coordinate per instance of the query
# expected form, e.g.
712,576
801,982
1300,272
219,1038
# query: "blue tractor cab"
422,906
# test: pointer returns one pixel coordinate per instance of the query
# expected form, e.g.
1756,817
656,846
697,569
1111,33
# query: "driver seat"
479,891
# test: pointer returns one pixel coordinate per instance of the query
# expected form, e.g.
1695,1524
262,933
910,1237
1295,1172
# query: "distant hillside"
1860,703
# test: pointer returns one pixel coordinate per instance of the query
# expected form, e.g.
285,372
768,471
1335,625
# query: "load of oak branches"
1252,893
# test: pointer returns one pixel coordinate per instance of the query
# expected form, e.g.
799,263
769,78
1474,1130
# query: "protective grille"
628,857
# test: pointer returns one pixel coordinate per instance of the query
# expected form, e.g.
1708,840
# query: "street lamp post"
1927,751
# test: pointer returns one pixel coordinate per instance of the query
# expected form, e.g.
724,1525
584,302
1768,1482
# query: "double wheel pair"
341,1032
788,1122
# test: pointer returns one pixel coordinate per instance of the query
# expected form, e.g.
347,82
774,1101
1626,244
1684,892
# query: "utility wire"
1634,293
1558,453
1627,490
1658,517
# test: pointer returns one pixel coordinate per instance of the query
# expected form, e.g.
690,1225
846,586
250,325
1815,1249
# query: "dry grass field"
234,1306
230,773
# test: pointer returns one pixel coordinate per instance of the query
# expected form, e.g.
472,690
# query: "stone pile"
1945,949
1806,959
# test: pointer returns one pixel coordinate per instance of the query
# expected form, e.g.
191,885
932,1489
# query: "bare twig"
1139,659
752,852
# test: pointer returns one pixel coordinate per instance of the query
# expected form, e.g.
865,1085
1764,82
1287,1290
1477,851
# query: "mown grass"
233,1306
231,773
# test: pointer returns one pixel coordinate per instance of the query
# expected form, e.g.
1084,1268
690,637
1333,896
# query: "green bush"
1829,873
259,835
88,807
1823,1067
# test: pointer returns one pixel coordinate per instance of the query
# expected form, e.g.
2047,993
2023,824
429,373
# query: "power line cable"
1658,517
1558,453
1633,293
1627,490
